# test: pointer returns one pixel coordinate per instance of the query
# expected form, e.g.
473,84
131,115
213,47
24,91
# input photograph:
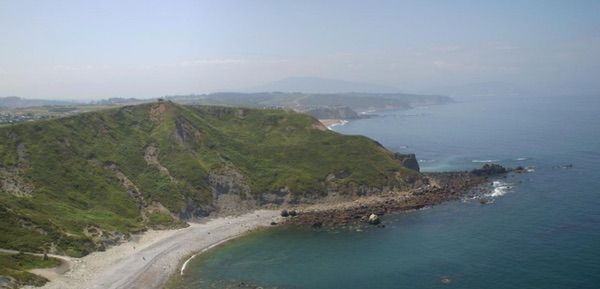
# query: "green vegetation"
158,220
16,266
70,184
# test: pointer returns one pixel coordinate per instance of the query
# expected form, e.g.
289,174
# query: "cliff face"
77,184
409,161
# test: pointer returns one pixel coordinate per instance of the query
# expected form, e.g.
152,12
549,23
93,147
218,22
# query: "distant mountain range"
322,85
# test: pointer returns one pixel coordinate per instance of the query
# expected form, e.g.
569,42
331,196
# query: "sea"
541,229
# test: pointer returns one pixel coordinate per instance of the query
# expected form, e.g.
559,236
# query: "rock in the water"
484,201
489,170
273,223
374,219
519,170
284,213
317,224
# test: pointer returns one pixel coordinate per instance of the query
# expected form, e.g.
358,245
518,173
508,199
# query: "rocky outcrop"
489,170
151,157
132,189
231,194
409,161
12,183
157,112
433,189
186,132
10,177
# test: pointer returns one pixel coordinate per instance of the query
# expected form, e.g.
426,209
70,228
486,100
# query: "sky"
99,49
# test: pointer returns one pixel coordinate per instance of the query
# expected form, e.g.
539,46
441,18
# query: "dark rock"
409,161
489,170
273,223
519,170
317,225
293,213
484,201
284,213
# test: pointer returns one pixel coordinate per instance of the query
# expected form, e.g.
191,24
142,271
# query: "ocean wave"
499,189
521,159
426,161
485,161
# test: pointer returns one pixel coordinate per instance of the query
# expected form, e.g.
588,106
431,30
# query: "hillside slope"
78,184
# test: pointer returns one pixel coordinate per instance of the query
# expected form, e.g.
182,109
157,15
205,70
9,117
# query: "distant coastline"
332,122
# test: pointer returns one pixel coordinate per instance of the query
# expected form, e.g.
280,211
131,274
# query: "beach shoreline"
331,123
150,259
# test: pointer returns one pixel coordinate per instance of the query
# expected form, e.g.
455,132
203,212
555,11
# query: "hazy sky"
98,49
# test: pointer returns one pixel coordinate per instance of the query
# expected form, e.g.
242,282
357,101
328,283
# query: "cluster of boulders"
489,170
443,187
286,213
319,219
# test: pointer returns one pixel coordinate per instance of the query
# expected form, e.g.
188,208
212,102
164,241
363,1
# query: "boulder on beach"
374,219
284,213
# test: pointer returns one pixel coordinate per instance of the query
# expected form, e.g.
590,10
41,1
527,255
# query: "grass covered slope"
17,265
78,184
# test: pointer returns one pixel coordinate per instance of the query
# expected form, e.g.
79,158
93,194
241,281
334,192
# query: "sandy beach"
330,123
149,259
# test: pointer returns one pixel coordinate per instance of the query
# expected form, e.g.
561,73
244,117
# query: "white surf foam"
485,161
343,122
499,189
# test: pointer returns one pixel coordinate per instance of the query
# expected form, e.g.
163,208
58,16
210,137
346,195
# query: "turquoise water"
544,232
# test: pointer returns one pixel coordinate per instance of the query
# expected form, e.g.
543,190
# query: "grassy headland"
81,183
